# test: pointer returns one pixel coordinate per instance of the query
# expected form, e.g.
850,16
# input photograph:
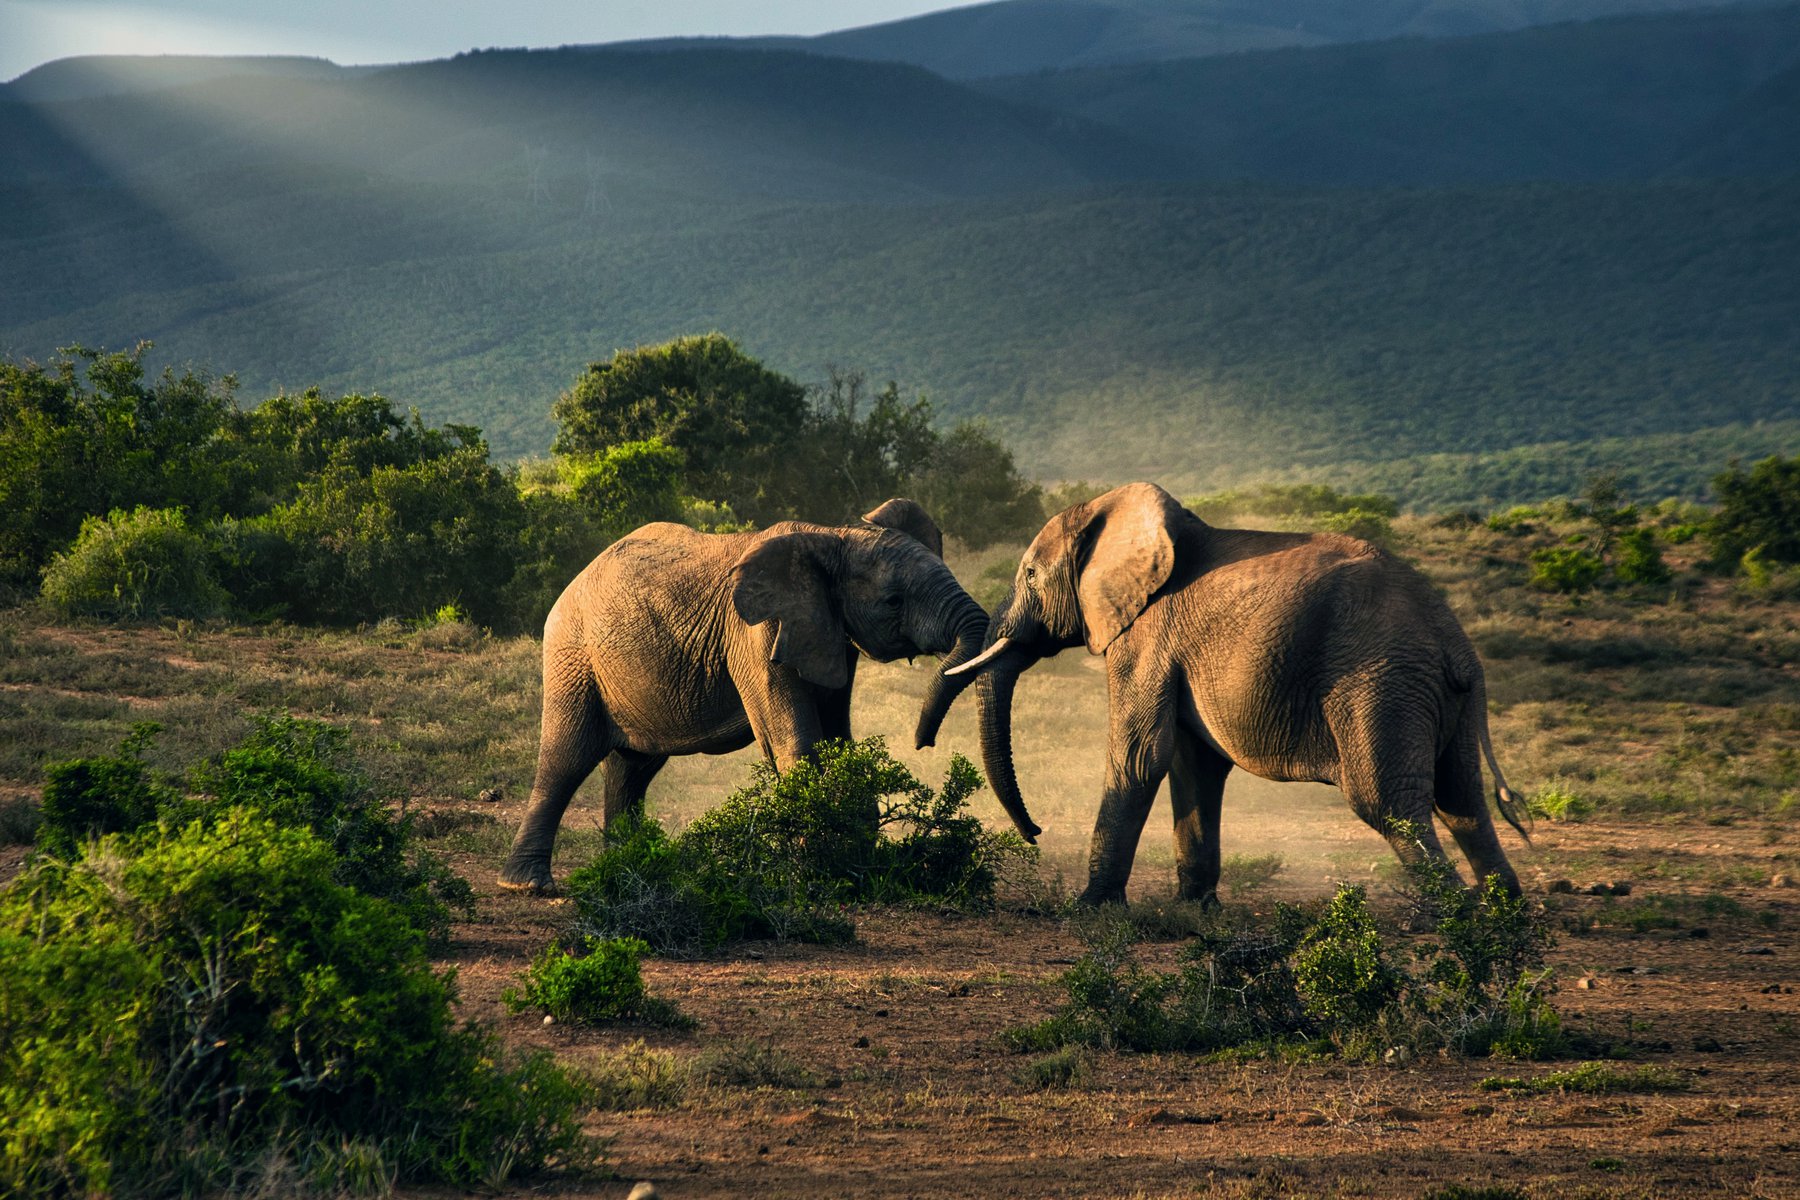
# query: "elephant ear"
1129,555
910,518
786,579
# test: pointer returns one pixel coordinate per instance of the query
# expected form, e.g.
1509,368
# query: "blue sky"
360,31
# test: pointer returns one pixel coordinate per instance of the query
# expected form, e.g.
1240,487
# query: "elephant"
674,642
1293,656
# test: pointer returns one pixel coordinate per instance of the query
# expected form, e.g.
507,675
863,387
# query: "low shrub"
749,1064
637,1077
1249,872
603,985
1557,803
20,821
1640,559
784,855
141,563
1594,1079
1320,975
1374,527
184,1007
296,772
1565,569
1517,520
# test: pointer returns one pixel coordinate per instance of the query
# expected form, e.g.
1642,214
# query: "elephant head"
1083,580
881,588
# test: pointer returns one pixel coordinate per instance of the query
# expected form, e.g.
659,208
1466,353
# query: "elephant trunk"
971,628
996,691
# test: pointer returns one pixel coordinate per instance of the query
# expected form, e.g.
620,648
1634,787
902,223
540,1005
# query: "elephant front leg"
1196,793
1137,759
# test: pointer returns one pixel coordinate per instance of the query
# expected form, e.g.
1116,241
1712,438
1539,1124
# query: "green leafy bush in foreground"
604,984
296,772
1321,975
784,855
196,1008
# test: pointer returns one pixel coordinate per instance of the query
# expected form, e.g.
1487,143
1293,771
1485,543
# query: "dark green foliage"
87,797
729,416
603,985
143,563
1566,568
1759,510
301,773
399,541
1640,559
88,435
190,1008
1324,974
973,487
1341,969
784,855
296,772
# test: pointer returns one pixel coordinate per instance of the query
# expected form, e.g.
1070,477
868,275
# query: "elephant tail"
1512,805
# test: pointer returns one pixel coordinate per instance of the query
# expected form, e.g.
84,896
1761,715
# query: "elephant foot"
527,875
1207,899
1095,897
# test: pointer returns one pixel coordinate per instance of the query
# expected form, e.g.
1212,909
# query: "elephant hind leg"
575,735
628,776
1462,805
1387,773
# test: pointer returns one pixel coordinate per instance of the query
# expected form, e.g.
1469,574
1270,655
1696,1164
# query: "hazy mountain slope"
1016,36
721,125
1759,134
88,76
1596,100
1199,336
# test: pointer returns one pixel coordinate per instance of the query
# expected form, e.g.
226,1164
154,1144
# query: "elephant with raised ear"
677,642
1292,656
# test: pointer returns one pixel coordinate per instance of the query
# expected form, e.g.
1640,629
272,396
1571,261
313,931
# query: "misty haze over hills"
1463,267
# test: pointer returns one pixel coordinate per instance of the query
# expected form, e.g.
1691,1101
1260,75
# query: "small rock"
1707,1045
1620,888
1774,989
493,796
1608,889
881,1012
1587,983
1561,887
549,1020
1779,880
1758,950
644,1190
1699,931
1397,1056
861,1043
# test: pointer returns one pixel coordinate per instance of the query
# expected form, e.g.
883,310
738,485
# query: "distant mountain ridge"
1011,37
1625,97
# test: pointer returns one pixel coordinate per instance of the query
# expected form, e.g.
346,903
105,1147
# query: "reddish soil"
914,1095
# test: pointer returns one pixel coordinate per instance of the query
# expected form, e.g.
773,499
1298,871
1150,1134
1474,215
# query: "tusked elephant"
1293,656
677,642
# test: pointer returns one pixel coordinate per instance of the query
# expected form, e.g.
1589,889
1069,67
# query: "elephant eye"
893,600
1030,575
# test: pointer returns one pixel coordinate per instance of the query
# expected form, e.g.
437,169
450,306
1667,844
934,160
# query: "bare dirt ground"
908,1090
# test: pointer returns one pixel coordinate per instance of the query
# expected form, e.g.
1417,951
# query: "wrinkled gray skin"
1293,656
676,642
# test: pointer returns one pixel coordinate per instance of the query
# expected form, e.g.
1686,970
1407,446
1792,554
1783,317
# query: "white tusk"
981,660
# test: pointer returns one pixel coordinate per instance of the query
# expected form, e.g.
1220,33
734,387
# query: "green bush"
87,797
142,563
605,984
1320,976
1640,558
1594,1079
1757,508
1565,569
1360,523
295,772
1557,803
1517,520
189,1008
784,855
1340,967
